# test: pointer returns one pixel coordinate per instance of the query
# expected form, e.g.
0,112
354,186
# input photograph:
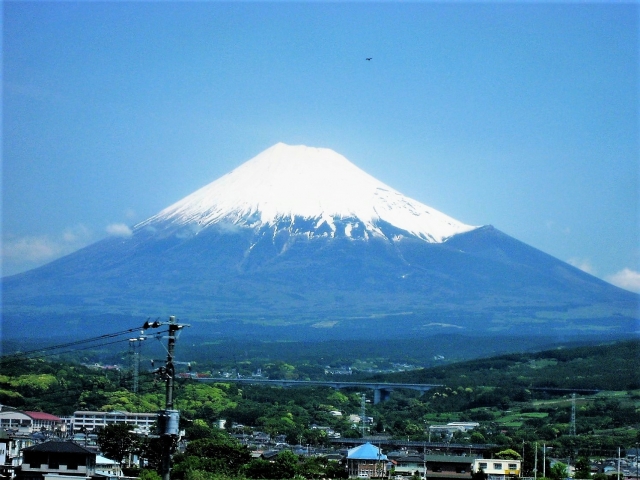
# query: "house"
449,466
407,464
6,468
30,422
12,445
261,437
367,461
497,469
107,467
56,460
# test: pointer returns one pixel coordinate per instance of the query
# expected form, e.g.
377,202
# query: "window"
483,465
513,466
497,466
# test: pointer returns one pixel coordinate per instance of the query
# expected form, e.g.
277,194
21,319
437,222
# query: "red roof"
43,416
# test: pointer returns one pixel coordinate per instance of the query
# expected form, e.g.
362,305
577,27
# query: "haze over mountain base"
481,281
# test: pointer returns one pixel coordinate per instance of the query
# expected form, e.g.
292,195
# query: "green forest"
519,400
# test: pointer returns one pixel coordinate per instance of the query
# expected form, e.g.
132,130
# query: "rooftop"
58,447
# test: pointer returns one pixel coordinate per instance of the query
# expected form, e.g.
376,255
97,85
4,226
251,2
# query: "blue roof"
366,452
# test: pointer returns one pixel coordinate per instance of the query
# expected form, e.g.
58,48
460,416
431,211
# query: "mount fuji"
298,242
310,192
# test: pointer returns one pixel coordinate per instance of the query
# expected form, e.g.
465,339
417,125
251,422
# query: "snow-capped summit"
308,191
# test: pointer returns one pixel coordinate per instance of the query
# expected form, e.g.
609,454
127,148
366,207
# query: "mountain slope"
352,257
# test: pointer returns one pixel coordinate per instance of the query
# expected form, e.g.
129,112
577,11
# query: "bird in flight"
369,58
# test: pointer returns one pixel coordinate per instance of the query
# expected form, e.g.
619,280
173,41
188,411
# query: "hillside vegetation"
518,399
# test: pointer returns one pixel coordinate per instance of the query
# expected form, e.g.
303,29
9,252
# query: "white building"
107,467
29,422
91,421
453,427
497,469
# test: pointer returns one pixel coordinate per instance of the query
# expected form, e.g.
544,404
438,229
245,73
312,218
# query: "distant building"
449,466
12,446
407,465
497,469
56,461
29,422
464,426
107,467
90,421
6,468
367,461
453,427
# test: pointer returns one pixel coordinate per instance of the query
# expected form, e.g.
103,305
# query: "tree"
149,450
583,468
198,430
217,454
558,471
508,454
258,468
479,475
117,442
149,475
286,464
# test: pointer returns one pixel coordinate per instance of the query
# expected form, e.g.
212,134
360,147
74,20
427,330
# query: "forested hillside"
523,398
614,366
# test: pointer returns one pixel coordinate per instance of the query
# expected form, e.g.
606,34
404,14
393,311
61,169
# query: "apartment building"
90,421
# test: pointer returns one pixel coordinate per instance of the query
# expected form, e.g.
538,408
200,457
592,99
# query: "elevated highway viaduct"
381,390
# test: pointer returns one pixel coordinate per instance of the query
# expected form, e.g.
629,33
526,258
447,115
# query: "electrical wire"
27,354
54,349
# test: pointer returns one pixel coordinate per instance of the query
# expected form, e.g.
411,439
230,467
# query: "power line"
38,353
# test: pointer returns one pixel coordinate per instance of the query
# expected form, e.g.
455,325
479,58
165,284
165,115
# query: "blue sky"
520,115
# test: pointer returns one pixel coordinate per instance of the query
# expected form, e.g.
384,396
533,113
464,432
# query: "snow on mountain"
316,187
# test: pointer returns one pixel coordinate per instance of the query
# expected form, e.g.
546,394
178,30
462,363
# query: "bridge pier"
381,395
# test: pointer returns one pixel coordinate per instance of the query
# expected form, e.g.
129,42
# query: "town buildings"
56,460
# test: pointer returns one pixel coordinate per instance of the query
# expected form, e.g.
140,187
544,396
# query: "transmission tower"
572,427
134,346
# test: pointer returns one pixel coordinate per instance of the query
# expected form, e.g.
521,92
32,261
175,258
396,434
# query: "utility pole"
168,419
572,428
363,413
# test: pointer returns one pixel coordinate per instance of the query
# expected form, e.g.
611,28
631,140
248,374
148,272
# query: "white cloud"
627,279
31,251
119,230
76,234
130,214
583,264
